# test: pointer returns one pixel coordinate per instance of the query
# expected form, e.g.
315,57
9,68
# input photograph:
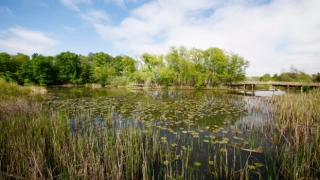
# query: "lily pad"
197,164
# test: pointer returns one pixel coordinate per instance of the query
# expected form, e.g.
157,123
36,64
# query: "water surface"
221,133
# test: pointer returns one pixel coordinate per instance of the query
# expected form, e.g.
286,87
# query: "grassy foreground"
40,143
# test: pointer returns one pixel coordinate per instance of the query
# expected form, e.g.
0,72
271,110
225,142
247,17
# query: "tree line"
180,66
293,75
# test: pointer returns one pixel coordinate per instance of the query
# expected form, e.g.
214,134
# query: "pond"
202,134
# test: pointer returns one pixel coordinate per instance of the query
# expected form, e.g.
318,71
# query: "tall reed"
297,118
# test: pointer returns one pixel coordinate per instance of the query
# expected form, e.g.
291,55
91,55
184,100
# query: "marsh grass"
297,119
15,99
10,90
38,147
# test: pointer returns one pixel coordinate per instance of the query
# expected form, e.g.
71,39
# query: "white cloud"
272,36
73,4
27,41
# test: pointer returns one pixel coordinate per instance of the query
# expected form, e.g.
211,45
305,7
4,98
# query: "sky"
271,34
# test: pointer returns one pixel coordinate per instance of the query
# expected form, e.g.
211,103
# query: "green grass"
10,90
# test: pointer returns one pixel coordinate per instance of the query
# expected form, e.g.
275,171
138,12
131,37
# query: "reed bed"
296,145
38,147
15,99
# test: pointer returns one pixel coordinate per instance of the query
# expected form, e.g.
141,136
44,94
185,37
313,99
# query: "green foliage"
179,67
68,65
41,69
103,74
266,77
294,75
316,77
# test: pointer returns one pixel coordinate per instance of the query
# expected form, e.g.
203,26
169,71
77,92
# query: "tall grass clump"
297,119
9,90
15,99
52,147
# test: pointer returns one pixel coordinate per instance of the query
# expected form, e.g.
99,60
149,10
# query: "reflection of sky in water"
269,93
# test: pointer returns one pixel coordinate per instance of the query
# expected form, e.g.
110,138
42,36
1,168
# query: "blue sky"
272,35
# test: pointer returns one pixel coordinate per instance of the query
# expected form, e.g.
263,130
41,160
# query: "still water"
221,133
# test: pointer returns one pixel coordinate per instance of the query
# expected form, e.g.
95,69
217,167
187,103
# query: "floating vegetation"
166,163
197,164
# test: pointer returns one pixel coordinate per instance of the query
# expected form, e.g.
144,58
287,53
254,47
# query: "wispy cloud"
44,5
73,4
120,3
19,39
68,28
272,35
6,10
96,17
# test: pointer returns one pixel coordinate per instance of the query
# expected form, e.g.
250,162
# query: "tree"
266,77
86,68
21,61
103,74
68,66
128,66
316,77
215,62
41,69
152,64
235,68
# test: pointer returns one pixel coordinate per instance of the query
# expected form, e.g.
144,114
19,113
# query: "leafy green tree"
42,69
275,77
266,77
128,66
101,58
215,62
86,68
6,67
166,75
69,67
316,77
152,64
103,74
174,63
235,68
117,64
21,62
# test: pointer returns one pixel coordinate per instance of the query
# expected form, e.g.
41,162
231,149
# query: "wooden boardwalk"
251,84
276,83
